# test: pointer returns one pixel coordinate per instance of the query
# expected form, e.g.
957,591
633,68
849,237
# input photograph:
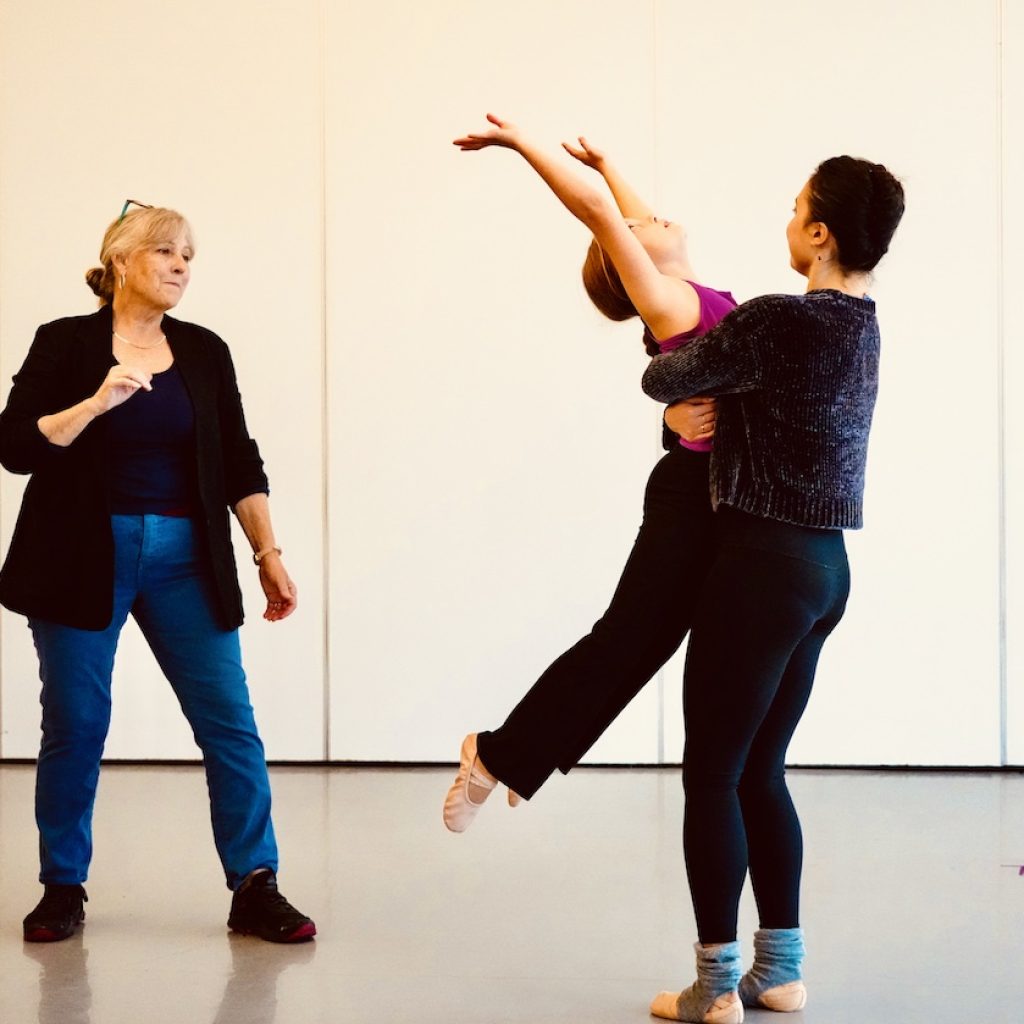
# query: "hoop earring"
122,276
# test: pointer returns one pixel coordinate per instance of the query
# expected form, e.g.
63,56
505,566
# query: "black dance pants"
584,690
773,594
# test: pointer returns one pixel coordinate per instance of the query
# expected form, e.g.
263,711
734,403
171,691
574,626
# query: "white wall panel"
1013,333
484,432
215,110
489,442
911,676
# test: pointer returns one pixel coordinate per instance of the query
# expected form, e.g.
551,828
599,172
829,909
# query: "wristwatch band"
258,556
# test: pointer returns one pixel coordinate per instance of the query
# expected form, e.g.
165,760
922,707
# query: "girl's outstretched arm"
626,199
579,197
668,305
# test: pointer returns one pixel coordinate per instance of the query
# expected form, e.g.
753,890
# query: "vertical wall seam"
1001,380
3,483
324,392
655,117
4,487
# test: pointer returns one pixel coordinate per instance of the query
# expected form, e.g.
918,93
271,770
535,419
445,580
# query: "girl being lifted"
637,265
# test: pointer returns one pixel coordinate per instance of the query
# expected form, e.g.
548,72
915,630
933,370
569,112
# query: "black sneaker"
57,914
258,908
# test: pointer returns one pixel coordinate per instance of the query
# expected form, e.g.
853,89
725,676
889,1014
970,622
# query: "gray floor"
572,908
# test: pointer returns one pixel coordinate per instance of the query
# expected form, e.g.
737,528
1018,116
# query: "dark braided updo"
861,203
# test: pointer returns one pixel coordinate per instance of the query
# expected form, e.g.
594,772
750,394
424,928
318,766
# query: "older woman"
131,426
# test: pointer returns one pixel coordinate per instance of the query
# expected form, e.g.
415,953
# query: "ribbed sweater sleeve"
722,361
797,378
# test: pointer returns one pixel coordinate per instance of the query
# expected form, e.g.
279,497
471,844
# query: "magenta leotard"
714,304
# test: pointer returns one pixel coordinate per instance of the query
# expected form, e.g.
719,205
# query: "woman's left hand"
693,419
282,596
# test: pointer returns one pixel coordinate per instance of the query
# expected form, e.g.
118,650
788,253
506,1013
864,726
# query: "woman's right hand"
504,133
118,386
586,154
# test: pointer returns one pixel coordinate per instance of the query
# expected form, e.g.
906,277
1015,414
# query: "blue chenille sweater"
796,377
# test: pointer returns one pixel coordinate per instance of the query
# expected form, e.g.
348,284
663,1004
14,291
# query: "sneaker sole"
45,935
49,935
304,933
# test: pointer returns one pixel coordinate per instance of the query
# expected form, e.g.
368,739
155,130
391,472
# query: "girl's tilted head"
663,240
604,286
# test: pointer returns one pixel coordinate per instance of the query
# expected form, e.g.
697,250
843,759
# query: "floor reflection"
64,993
65,996
251,991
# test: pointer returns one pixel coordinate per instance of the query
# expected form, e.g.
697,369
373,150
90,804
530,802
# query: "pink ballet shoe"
726,1009
459,808
784,998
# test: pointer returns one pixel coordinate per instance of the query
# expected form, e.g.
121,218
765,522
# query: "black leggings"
582,693
772,596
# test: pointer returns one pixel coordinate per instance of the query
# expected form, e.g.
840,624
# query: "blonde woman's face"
159,274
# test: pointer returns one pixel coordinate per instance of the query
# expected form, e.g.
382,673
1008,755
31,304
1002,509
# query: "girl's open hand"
585,153
503,133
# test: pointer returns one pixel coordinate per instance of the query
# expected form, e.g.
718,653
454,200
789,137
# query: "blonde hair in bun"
139,229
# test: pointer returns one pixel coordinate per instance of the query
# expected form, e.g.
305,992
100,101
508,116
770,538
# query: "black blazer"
60,565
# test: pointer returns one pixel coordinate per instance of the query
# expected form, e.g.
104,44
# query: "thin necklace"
135,344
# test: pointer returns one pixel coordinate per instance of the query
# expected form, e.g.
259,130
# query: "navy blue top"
60,563
153,450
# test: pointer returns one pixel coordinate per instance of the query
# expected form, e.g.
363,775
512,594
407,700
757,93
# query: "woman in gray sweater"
796,378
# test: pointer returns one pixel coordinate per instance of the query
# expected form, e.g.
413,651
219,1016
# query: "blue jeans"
160,577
